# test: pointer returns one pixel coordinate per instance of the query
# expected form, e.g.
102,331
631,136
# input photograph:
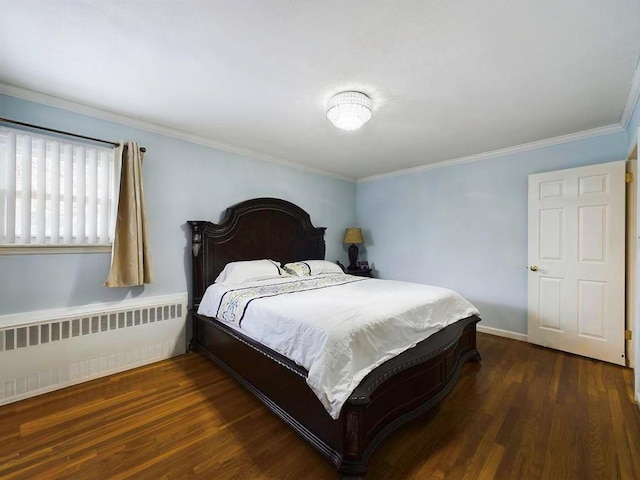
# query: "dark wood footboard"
388,397
402,389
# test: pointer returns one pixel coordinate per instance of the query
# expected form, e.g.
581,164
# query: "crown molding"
632,98
525,147
109,116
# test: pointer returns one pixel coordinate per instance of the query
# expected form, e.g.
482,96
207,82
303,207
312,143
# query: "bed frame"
391,395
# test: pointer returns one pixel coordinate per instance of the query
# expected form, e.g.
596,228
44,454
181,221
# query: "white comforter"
340,333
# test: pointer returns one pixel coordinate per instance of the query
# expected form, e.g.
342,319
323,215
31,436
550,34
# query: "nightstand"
363,272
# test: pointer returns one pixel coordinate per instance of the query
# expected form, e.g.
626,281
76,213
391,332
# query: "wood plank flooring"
524,412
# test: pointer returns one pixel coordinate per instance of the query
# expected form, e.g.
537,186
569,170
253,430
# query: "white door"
576,260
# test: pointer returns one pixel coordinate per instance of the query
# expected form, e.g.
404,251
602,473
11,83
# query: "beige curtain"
130,259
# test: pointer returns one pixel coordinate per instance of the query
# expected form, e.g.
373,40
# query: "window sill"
52,249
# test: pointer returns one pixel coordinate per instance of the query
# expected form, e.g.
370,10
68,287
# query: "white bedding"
339,333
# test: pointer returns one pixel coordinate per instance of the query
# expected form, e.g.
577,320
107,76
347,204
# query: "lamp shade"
353,235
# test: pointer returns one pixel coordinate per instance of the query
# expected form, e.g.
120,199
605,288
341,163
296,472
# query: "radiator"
47,350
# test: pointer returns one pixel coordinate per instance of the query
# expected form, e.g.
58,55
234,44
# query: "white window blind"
55,192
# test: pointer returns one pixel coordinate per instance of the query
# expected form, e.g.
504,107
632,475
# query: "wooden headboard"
252,230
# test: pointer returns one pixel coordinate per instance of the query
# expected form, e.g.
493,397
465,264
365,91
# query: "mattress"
338,327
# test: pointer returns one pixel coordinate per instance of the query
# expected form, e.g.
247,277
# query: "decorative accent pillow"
311,267
249,271
298,269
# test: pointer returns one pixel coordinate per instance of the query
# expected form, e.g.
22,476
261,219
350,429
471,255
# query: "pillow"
298,269
311,267
249,271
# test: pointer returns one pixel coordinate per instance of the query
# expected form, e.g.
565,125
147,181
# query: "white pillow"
249,271
311,267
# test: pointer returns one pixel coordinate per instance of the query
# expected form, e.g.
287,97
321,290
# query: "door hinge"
628,177
627,334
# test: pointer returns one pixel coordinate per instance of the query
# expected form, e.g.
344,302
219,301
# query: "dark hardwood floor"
523,412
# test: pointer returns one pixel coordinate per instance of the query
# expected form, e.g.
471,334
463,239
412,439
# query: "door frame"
631,254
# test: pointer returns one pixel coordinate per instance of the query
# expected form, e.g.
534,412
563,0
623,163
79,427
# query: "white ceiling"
449,78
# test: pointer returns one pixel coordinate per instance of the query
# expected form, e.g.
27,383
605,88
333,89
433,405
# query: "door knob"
534,268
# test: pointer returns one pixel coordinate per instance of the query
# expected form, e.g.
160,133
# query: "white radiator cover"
51,349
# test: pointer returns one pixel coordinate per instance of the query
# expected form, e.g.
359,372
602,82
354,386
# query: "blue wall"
183,181
465,226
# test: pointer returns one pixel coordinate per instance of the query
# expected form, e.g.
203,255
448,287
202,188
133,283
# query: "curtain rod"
62,132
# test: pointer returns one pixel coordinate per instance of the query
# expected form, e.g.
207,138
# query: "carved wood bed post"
198,272
354,442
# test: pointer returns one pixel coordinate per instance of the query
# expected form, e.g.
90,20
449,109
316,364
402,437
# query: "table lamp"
353,235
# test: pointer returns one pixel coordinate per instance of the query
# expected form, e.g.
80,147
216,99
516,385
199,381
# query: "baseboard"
503,333
53,349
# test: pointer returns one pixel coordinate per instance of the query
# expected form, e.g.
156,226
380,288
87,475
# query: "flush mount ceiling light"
349,110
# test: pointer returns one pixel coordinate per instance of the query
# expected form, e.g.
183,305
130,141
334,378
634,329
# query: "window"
55,192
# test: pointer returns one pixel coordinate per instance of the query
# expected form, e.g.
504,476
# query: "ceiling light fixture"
349,110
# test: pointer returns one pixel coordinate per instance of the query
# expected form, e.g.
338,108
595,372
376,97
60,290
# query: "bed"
389,396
